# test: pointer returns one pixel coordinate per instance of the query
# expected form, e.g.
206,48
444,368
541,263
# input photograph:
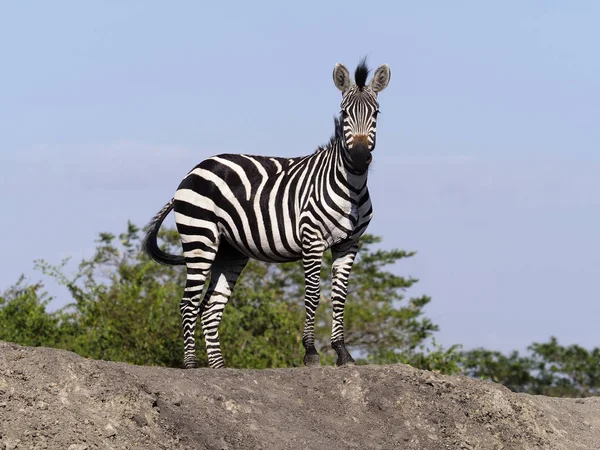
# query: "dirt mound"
52,399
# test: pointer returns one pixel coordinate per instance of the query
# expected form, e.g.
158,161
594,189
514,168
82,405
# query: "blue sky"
487,149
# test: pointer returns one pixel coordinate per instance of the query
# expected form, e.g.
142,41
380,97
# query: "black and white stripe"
234,207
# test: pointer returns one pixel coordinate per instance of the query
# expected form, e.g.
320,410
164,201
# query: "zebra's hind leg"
343,259
189,308
200,246
226,269
312,294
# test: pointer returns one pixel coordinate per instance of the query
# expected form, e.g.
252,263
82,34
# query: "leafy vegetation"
124,307
550,369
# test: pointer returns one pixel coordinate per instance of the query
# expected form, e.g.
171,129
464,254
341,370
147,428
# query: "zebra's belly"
268,250
336,236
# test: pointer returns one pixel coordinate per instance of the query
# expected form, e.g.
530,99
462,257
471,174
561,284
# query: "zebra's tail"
150,243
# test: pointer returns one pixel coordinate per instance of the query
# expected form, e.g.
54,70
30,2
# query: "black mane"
361,74
337,134
338,128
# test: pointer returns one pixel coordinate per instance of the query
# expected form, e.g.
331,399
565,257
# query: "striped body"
287,202
231,208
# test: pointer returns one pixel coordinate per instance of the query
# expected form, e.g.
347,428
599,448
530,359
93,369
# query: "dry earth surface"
52,399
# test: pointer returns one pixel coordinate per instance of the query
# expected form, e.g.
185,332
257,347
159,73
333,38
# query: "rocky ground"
52,399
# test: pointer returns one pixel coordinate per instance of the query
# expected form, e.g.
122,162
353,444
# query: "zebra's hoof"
312,360
345,360
347,364
191,363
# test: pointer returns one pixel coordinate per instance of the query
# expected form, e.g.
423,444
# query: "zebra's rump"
247,200
208,219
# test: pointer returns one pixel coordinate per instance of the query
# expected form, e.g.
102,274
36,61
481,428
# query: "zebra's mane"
337,134
361,74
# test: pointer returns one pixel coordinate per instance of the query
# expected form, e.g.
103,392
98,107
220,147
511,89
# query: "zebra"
233,207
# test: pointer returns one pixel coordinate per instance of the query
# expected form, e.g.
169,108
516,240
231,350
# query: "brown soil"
52,399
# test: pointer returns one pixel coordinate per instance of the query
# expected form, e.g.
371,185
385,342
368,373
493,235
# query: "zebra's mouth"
361,158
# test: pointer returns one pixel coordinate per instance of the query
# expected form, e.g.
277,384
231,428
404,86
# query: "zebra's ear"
341,77
381,78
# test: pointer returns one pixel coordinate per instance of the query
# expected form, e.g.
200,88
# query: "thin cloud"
123,165
468,183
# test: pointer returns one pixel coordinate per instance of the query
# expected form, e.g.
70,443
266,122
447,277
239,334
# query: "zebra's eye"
376,113
344,113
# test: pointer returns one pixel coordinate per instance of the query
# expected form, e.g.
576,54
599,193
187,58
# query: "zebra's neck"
334,160
343,167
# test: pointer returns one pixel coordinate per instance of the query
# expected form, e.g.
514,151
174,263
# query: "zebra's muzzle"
361,157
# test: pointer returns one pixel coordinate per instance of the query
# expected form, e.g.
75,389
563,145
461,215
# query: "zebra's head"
359,110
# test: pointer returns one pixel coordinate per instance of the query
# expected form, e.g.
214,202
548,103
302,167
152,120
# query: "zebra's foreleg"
312,293
343,258
225,271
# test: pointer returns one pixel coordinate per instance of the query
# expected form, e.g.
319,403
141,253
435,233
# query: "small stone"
42,405
12,445
110,430
139,420
177,402
78,447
